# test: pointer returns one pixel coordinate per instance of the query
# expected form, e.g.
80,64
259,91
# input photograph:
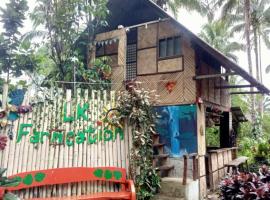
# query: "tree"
219,35
12,18
65,21
204,7
234,7
259,31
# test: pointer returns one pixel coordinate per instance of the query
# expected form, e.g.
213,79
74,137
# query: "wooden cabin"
68,130
147,45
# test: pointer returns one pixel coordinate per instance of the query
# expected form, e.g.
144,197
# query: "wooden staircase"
160,158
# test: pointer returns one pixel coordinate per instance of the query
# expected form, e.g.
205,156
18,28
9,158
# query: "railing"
194,158
217,160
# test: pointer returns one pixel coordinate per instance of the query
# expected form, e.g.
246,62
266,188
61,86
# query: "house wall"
155,73
207,90
118,60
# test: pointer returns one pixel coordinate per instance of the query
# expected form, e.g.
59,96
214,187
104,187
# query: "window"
170,47
106,49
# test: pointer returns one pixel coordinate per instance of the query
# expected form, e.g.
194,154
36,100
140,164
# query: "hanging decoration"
16,99
106,42
170,85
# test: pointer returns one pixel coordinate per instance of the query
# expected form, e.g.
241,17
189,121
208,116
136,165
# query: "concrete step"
174,188
162,197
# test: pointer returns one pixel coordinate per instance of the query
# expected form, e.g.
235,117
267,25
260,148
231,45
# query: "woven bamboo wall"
25,156
184,91
209,92
118,61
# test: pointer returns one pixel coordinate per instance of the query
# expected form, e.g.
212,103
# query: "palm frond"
228,8
33,35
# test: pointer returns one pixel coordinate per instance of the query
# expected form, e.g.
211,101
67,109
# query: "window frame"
105,53
173,56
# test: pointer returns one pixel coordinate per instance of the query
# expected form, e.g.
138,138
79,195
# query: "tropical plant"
65,21
247,185
6,182
204,7
219,35
254,23
233,8
12,18
135,106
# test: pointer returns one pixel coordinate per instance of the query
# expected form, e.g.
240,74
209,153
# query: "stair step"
161,156
158,145
163,197
165,167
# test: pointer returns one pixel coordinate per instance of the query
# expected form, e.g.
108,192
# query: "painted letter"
67,118
80,138
35,138
108,135
57,136
42,135
81,111
120,132
70,138
92,138
22,132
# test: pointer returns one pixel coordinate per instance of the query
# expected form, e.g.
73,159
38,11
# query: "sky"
194,22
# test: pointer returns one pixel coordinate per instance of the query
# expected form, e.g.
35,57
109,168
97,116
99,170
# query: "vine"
135,106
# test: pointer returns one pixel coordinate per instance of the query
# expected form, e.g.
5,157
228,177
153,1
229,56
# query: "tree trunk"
247,33
256,52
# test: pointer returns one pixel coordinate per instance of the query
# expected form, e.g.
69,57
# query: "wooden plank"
238,161
208,76
232,86
247,92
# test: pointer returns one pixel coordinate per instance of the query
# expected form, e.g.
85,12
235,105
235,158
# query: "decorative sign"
89,134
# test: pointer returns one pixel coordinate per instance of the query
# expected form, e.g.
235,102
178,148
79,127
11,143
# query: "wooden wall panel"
184,91
171,65
146,63
208,91
147,36
168,29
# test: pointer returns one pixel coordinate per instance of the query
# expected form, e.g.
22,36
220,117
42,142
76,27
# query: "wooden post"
195,167
185,170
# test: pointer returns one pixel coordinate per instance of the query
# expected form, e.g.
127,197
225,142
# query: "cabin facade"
191,78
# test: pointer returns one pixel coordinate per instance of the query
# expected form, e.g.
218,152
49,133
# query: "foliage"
65,21
6,182
135,106
12,18
204,7
219,34
212,137
99,74
247,185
